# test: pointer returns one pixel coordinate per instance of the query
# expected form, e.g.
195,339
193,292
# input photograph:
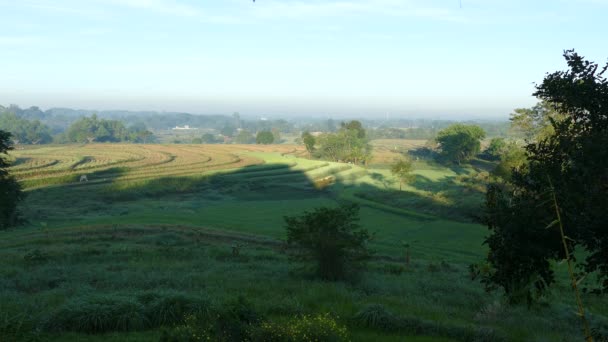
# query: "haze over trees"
25,131
92,129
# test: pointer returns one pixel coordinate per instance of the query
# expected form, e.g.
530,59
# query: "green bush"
98,314
332,238
321,327
233,321
170,307
377,317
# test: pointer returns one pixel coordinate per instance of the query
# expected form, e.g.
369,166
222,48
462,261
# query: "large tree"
264,137
10,191
459,143
347,145
566,171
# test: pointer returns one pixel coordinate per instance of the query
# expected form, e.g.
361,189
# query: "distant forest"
63,125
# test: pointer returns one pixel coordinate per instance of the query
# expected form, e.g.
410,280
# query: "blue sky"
423,58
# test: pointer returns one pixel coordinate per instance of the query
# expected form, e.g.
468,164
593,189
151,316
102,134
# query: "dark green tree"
459,143
264,137
309,141
497,147
208,138
10,190
568,167
332,238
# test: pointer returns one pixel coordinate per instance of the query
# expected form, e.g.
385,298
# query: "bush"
170,307
98,314
377,317
321,327
234,321
332,238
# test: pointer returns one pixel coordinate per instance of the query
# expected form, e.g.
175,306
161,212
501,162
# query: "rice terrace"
187,223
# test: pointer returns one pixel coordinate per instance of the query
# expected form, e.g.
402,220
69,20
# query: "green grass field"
165,218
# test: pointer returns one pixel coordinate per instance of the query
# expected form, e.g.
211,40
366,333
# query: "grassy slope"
92,243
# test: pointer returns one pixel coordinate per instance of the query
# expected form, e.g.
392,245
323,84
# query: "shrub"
234,321
376,316
170,307
331,237
321,327
98,314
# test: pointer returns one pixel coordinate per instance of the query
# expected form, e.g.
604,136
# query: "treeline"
91,129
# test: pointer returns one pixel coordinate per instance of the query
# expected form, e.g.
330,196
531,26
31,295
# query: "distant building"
316,134
186,127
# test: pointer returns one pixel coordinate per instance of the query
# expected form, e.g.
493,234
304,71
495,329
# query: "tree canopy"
332,237
347,145
401,169
264,137
567,169
24,131
459,143
92,129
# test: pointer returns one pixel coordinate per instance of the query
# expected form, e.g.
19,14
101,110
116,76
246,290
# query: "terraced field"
166,219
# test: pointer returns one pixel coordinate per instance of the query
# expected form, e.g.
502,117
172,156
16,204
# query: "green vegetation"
459,143
346,145
154,232
264,137
100,130
25,131
309,141
555,204
10,190
401,169
332,238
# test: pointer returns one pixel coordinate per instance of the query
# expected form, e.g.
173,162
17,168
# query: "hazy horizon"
349,58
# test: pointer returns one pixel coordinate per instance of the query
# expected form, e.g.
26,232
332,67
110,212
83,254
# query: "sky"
363,58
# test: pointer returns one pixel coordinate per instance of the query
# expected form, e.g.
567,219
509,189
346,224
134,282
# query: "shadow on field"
106,189
454,197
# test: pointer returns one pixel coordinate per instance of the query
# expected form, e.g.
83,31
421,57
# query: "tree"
10,190
512,158
331,237
346,145
534,123
244,137
497,147
309,141
460,142
208,138
228,131
401,169
264,137
567,167
25,131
